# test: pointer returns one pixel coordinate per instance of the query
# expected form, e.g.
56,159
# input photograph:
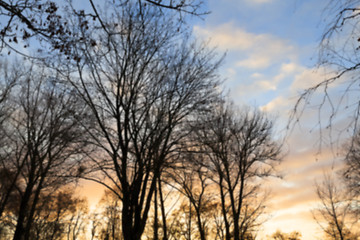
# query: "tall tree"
42,141
8,178
141,83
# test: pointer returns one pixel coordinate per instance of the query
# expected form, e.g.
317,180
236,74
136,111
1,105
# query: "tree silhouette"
42,142
140,84
352,165
111,216
239,148
334,214
8,177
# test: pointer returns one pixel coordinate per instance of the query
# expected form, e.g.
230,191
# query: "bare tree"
76,221
42,142
141,83
240,150
8,178
334,215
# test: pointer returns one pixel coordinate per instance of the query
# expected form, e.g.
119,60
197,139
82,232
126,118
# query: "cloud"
257,51
277,103
261,83
226,36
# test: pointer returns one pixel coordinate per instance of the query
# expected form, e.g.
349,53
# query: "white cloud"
277,103
256,51
255,62
227,37
261,83
250,52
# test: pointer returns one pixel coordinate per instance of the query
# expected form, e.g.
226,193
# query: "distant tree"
334,215
95,219
76,222
111,216
180,221
278,235
218,228
59,216
192,182
352,165
239,149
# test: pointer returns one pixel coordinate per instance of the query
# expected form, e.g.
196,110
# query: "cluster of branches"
26,23
336,95
135,105
228,153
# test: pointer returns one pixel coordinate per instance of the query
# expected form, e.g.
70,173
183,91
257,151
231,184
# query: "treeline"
128,99
177,160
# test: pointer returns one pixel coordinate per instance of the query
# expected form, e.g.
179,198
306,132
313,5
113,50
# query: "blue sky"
266,41
271,54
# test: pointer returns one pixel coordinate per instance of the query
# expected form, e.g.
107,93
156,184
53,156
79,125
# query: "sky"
271,51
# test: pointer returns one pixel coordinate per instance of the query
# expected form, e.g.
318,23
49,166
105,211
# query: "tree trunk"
190,216
33,207
156,225
223,208
200,226
163,214
21,221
